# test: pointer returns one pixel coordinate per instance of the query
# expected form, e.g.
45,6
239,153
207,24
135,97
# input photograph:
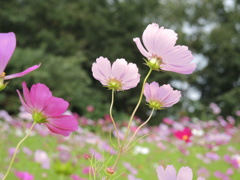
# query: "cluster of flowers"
215,140
161,54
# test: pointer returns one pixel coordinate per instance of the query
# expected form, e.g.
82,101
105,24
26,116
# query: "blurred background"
66,37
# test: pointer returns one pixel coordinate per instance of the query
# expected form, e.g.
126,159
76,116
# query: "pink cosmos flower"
42,158
185,134
7,47
161,52
120,76
24,175
76,177
185,173
160,97
48,109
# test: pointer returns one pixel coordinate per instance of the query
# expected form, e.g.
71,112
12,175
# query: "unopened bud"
110,171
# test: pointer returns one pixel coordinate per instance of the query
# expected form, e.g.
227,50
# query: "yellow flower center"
155,104
114,84
2,75
2,85
185,137
154,63
38,117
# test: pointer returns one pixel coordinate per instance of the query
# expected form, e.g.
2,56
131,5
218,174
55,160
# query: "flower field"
210,148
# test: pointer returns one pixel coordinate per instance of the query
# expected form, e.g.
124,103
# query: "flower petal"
63,125
55,106
40,94
7,47
101,70
158,40
22,73
185,173
179,69
126,73
26,94
141,48
172,98
161,173
28,109
170,172
118,69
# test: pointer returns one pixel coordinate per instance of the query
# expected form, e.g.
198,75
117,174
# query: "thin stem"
138,104
118,157
114,124
17,147
130,121
138,130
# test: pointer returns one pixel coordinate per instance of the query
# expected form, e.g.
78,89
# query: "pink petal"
178,55
185,173
172,98
163,92
7,47
26,94
149,37
161,173
101,70
126,73
170,172
158,40
55,106
40,94
131,73
22,73
141,48
165,40
63,125
28,109
179,69
119,68
178,59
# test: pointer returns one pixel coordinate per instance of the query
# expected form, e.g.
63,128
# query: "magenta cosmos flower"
160,97
7,47
24,175
161,52
185,134
120,76
185,173
48,109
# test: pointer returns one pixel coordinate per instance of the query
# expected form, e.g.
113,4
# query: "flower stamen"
154,63
114,84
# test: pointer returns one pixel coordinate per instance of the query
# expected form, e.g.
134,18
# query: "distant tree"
67,37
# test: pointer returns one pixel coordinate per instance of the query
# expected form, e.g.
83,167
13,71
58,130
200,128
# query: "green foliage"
67,37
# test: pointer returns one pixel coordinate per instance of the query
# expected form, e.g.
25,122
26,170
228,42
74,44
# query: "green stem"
138,104
130,121
114,124
17,147
138,130
118,157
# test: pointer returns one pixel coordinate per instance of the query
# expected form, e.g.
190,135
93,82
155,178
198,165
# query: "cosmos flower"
48,109
185,173
160,97
161,52
76,177
42,158
120,76
24,175
185,134
7,47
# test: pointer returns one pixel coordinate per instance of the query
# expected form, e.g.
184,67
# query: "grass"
81,143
